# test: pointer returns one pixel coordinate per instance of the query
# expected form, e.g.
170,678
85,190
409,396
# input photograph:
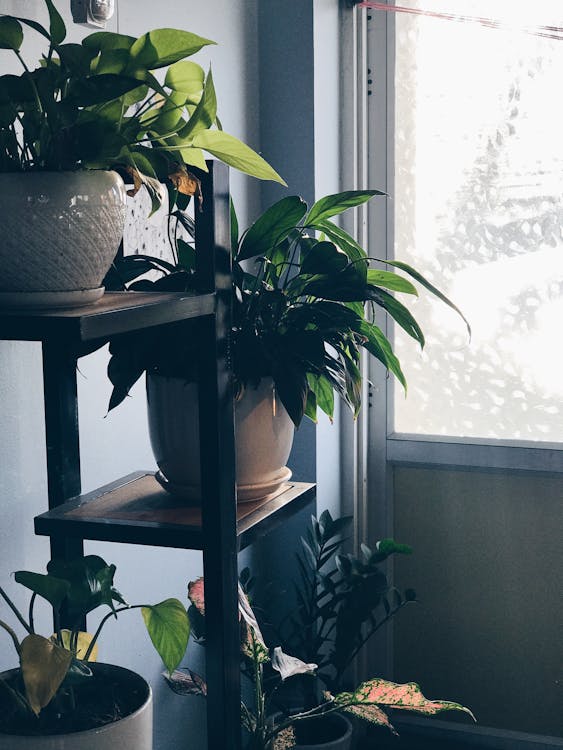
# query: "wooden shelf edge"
136,510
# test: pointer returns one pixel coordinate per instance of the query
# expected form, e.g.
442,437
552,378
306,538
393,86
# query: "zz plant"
45,692
100,105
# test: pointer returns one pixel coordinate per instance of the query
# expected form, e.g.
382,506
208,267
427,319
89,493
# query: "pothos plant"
268,669
44,694
306,301
99,105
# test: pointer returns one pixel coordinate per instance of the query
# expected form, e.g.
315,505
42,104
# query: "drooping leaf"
331,205
236,154
91,584
53,589
169,630
398,312
273,226
391,281
186,682
44,666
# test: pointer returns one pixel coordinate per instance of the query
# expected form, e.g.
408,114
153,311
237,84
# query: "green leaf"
398,312
100,88
273,226
204,115
57,28
236,154
234,227
44,666
392,281
54,590
91,584
324,393
331,205
163,47
11,33
101,41
324,258
168,626
431,288
185,76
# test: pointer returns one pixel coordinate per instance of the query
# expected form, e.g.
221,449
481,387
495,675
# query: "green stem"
14,609
12,635
103,622
31,605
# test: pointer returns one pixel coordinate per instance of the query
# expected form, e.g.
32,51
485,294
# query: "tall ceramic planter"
60,233
263,435
132,732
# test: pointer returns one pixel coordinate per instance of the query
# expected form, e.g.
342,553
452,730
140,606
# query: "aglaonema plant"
266,728
53,668
100,105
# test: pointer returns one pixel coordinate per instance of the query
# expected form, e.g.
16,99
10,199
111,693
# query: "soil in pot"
111,694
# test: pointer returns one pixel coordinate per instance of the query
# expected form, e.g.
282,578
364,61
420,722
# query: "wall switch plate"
93,13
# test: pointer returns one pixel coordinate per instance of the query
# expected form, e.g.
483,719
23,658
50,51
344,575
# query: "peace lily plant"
44,694
266,728
99,105
307,299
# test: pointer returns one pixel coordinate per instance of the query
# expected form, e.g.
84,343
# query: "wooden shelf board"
115,312
137,510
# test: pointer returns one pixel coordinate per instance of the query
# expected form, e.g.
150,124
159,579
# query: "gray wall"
267,93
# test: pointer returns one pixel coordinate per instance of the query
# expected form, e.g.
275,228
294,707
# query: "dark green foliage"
342,599
304,306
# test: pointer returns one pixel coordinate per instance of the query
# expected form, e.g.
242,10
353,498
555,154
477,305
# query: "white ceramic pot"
132,732
263,438
60,234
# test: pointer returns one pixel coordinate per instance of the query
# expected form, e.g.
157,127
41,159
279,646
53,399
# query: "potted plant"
266,728
306,303
71,128
341,600
60,697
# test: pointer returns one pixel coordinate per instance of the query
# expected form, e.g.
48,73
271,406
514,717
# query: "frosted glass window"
477,207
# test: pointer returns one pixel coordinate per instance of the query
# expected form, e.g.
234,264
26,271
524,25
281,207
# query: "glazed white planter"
263,438
133,732
60,233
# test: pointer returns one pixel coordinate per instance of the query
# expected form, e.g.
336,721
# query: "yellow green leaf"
44,666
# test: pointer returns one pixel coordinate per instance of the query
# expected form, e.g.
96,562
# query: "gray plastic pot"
132,732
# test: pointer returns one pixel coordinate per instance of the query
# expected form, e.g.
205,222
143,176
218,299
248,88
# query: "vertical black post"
61,428
218,468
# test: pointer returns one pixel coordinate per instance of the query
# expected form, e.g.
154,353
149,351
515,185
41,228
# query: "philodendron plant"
306,303
45,691
267,669
99,105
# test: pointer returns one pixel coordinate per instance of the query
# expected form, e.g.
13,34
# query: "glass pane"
478,208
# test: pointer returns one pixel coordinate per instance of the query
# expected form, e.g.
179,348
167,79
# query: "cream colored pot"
263,436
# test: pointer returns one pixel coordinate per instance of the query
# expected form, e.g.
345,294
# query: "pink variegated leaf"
373,714
407,697
196,594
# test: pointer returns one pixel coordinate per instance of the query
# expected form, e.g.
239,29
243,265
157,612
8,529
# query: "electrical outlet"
92,12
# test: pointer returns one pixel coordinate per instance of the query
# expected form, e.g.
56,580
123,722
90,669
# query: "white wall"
116,445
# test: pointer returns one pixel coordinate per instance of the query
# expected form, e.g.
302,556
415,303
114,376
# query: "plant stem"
12,635
14,609
31,605
113,613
